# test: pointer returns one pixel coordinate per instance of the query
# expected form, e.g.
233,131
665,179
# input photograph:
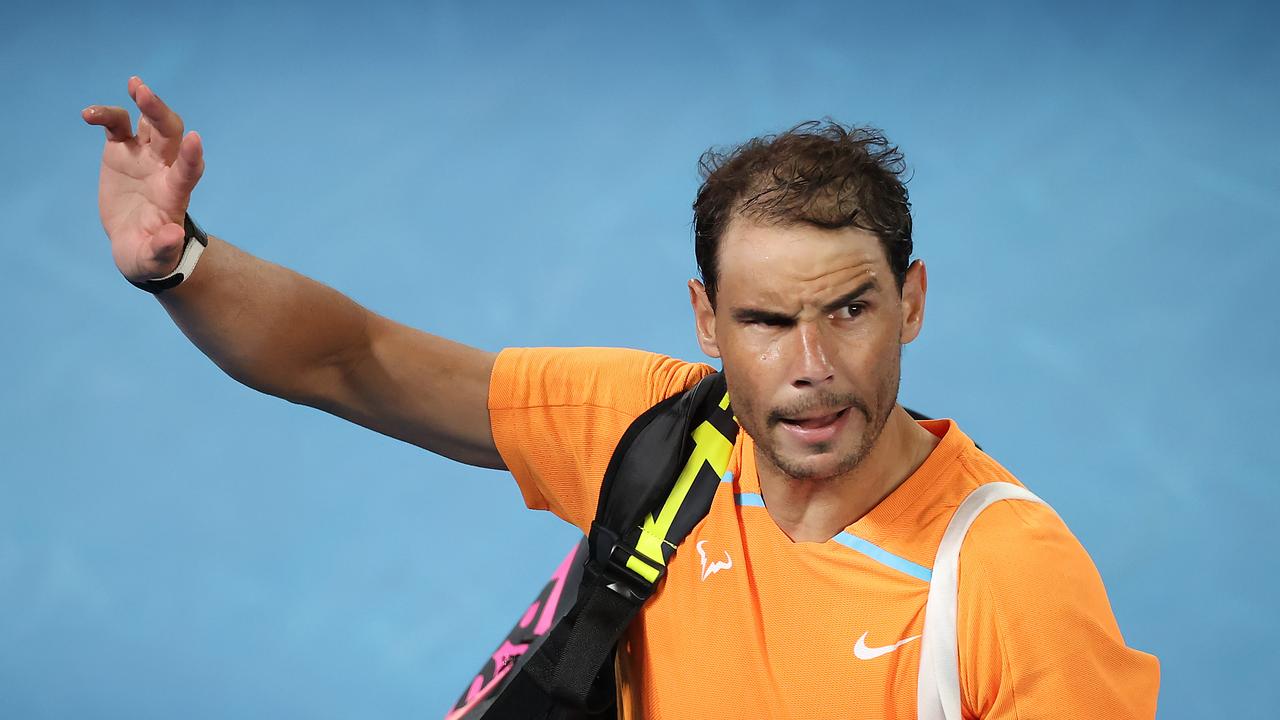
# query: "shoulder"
1025,545
556,415
1020,544
629,381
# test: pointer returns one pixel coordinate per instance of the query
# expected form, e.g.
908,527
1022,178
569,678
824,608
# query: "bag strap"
661,480
938,688
659,484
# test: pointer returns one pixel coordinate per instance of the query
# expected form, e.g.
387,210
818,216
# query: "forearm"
269,327
265,325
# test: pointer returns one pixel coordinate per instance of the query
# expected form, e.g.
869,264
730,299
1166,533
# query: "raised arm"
269,327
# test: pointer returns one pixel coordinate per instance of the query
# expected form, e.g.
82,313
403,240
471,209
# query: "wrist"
195,241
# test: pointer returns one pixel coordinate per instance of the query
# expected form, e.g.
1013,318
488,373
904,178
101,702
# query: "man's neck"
817,510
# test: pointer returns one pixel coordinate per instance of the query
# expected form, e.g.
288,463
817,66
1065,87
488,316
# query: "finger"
134,82
167,124
115,120
144,130
189,166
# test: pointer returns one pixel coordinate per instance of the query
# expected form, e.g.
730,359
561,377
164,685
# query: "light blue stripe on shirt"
883,556
849,540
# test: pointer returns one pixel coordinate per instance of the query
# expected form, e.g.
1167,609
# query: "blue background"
1096,189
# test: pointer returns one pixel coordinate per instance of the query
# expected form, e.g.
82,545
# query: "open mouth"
816,422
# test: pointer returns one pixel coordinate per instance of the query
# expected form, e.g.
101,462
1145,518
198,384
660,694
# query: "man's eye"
765,321
849,312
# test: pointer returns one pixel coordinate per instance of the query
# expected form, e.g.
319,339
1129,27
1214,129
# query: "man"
802,593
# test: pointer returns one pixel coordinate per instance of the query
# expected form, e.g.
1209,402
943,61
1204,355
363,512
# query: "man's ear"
914,287
704,318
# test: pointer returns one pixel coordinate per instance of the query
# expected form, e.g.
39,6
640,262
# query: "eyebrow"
766,317
771,317
848,298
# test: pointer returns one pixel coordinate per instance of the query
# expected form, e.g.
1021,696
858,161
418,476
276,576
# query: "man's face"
810,325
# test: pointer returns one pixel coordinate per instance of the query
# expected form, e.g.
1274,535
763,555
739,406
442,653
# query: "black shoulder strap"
659,484
662,479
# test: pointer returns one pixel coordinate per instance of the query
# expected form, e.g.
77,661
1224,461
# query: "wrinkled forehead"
797,261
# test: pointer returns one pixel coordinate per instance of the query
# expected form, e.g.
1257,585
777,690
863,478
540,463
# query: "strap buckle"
625,581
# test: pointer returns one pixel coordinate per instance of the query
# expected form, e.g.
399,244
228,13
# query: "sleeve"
557,413
1036,632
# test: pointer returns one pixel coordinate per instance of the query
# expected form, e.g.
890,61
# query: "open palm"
145,183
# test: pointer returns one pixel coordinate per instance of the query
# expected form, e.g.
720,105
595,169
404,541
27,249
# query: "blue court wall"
1096,190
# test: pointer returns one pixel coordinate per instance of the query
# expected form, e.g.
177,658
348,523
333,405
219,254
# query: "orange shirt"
751,624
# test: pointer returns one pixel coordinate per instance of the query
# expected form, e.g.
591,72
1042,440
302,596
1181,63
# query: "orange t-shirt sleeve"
557,413
1036,633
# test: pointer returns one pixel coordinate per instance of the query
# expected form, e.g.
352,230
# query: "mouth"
813,420
815,428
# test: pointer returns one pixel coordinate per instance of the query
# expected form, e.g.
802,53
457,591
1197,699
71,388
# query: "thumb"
165,248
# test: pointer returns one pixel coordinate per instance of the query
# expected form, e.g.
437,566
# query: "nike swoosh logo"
862,652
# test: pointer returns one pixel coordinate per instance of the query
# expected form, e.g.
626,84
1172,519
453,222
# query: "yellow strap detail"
709,446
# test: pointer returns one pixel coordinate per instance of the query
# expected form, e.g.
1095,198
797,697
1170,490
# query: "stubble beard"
875,417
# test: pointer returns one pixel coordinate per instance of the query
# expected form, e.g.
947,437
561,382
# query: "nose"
812,364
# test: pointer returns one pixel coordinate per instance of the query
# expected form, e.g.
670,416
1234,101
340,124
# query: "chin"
817,466
819,460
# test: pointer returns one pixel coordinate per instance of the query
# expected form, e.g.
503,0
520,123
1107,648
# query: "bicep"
413,386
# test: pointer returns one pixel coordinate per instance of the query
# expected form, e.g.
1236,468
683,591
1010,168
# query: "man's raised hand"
146,182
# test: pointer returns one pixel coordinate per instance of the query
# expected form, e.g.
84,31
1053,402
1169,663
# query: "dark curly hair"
818,172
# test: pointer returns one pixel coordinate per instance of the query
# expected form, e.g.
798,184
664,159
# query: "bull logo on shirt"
716,565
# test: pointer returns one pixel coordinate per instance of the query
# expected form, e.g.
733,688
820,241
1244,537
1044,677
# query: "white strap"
938,688
191,252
